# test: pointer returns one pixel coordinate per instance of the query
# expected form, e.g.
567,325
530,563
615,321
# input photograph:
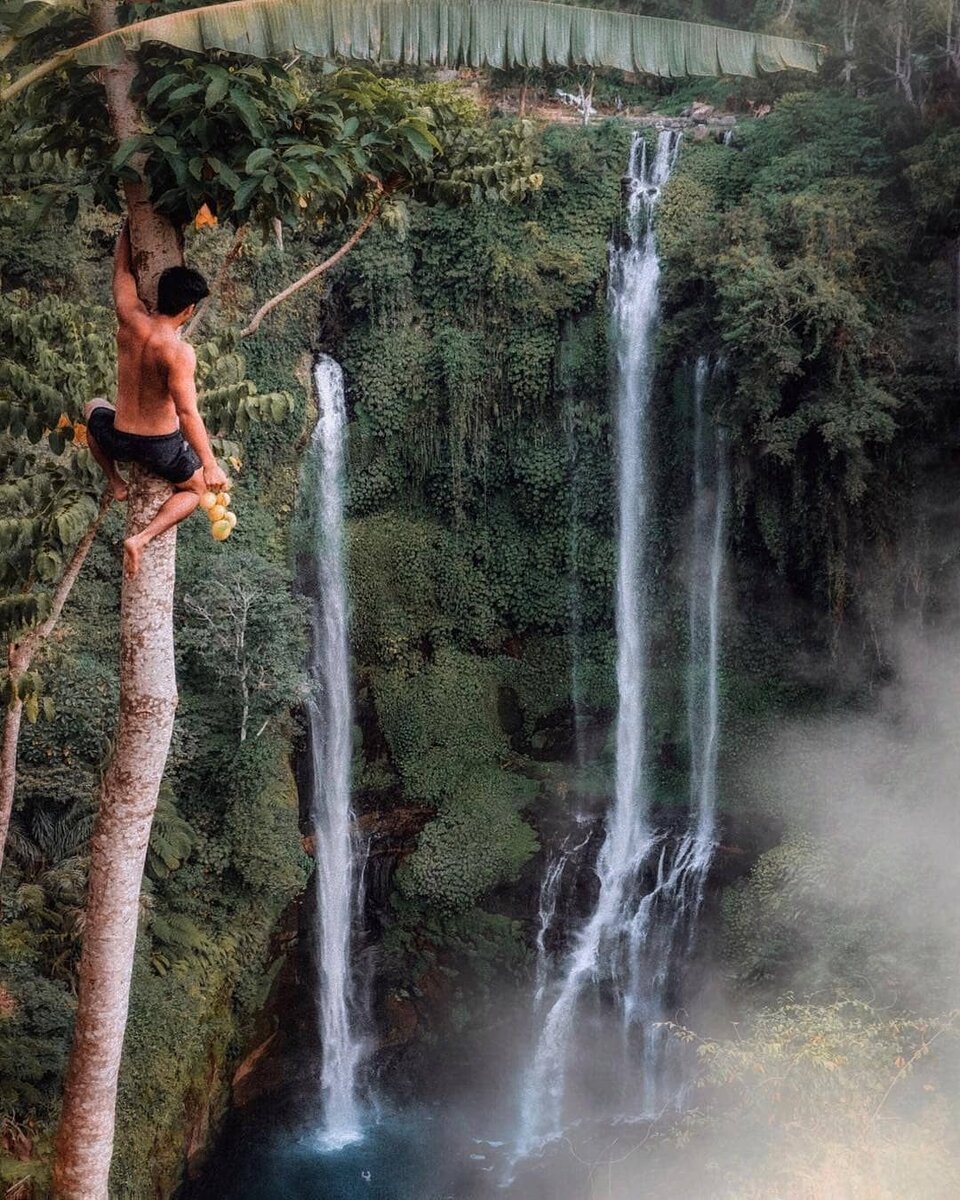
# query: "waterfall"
623,976
575,620
330,727
549,891
609,942
710,497
547,908
666,919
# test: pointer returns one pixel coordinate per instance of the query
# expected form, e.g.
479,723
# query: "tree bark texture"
849,19
156,244
8,765
128,798
956,264
148,700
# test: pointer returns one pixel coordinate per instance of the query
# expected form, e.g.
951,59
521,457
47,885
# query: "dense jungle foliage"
814,258
224,855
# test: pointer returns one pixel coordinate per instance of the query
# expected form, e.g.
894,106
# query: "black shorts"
168,455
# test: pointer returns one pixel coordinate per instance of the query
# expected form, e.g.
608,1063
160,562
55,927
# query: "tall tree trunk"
8,764
956,263
128,798
20,655
156,243
849,19
904,61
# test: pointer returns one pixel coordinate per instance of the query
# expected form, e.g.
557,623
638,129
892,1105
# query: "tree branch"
24,649
69,577
218,283
19,658
922,1049
316,272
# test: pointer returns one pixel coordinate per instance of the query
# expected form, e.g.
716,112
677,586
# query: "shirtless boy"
156,422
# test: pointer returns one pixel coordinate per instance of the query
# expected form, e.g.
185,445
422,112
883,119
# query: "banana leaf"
453,33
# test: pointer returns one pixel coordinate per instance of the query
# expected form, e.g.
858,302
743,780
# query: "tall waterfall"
607,948
330,725
575,619
710,497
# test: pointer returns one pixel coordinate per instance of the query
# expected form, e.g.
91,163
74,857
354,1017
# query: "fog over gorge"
844,1084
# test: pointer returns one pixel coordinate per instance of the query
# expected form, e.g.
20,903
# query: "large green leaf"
475,33
22,17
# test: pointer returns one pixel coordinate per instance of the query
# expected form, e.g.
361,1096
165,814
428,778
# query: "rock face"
699,111
712,120
390,834
243,1092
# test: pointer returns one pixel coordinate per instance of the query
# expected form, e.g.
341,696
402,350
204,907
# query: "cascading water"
610,941
575,622
547,907
633,949
330,724
710,496
668,913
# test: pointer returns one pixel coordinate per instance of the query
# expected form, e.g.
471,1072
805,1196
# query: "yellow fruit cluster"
222,520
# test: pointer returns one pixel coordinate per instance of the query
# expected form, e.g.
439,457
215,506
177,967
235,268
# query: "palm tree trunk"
128,798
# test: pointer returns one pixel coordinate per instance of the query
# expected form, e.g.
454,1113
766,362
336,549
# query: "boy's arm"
125,297
182,387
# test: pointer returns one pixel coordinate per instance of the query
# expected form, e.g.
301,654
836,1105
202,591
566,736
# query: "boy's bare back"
149,356
156,422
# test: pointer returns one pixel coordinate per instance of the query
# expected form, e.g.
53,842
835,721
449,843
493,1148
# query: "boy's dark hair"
178,288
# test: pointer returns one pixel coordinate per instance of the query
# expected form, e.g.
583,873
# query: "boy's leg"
180,505
116,482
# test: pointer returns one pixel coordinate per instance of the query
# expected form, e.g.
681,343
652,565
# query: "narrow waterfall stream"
575,619
330,723
710,497
628,960
609,943
550,888
667,916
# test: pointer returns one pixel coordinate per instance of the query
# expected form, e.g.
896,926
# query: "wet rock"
401,1021
243,1073
699,111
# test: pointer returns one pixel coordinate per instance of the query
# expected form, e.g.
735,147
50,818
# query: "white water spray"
547,908
607,945
330,722
622,976
710,497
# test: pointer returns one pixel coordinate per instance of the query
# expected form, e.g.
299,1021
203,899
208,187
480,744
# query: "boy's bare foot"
118,487
132,549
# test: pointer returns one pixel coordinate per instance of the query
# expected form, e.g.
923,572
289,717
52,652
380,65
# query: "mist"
828,1067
